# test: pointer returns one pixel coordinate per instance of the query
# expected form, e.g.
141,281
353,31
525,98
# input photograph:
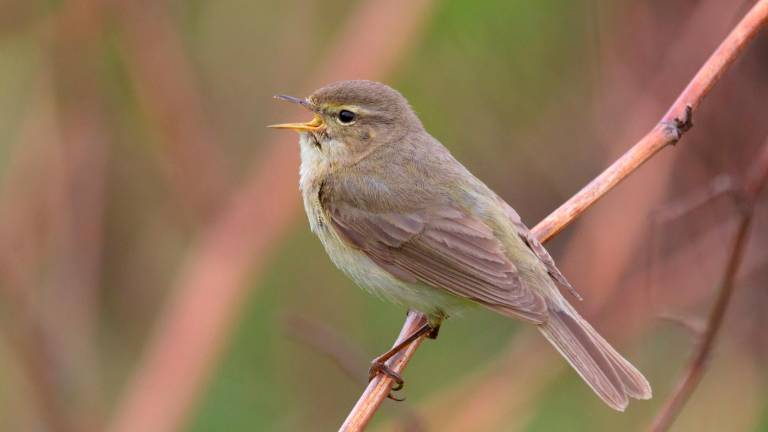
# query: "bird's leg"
379,364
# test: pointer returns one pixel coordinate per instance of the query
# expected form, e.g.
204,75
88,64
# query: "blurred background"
157,272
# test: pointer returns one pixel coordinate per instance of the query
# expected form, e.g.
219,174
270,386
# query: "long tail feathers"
611,376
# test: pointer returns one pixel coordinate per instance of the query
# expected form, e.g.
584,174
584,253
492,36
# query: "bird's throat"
314,164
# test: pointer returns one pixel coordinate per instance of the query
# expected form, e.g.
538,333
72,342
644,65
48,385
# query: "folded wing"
445,248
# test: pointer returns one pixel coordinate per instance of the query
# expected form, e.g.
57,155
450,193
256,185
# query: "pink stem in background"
168,92
201,313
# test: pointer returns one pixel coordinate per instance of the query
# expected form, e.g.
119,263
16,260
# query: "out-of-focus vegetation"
127,127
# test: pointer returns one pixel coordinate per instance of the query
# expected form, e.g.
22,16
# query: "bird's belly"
367,274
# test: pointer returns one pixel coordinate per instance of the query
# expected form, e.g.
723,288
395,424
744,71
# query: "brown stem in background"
25,233
71,315
667,131
167,91
211,285
52,219
694,371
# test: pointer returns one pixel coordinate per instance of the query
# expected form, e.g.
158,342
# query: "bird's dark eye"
346,116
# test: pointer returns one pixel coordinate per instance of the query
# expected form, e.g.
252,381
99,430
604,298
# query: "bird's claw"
380,367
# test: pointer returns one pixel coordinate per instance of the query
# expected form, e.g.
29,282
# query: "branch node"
677,127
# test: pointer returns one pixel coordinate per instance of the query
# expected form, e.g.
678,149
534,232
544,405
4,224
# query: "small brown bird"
405,220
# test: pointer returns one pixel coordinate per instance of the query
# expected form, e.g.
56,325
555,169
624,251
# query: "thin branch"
212,283
349,358
649,91
662,135
668,131
695,369
370,401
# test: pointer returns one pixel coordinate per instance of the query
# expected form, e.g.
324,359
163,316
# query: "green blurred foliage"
509,86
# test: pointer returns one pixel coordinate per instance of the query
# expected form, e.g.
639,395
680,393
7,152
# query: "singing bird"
405,220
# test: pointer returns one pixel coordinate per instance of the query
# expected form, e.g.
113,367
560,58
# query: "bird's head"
353,117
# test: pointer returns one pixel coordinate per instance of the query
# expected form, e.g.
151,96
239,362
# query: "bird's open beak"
313,125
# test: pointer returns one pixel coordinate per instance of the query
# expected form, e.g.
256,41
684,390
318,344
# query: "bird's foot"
379,364
380,367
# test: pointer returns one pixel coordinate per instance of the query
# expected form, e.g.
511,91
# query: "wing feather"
537,248
445,248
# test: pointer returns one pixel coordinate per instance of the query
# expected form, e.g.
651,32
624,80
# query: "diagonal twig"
668,131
